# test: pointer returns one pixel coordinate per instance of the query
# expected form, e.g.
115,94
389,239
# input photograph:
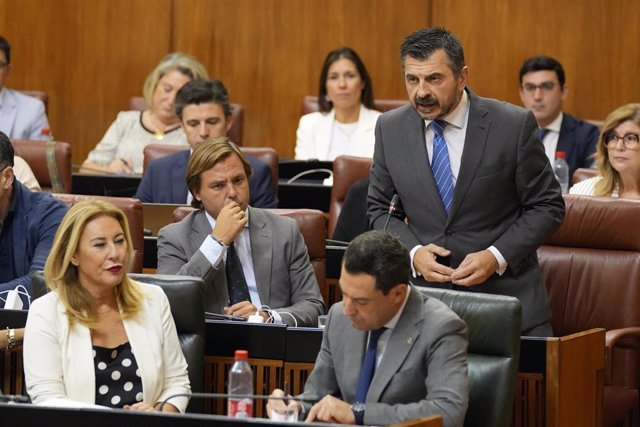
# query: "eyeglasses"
630,140
544,86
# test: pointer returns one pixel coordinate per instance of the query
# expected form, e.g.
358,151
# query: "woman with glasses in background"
618,157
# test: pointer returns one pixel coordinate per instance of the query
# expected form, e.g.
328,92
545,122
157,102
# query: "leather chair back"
310,104
132,208
312,226
591,268
493,353
581,174
186,298
42,96
35,154
346,170
138,103
266,154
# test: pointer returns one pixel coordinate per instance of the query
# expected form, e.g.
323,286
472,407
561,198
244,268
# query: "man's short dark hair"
543,63
6,48
199,91
381,255
423,43
6,151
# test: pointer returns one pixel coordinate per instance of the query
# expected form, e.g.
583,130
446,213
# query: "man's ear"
9,177
230,123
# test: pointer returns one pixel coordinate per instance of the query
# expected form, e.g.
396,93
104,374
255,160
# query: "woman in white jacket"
346,121
99,337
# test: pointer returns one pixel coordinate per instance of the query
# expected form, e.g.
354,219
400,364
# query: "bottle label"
240,408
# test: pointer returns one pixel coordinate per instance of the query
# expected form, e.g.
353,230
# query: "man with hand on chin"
252,261
389,353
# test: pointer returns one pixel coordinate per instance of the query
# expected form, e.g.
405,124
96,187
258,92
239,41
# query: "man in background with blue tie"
477,193
389,353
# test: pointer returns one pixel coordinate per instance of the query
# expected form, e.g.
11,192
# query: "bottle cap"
242,355
45,131
561,155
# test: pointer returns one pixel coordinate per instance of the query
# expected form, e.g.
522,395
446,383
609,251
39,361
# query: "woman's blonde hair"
611,177
62,276
186,64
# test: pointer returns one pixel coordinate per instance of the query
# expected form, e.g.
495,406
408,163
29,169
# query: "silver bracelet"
11,338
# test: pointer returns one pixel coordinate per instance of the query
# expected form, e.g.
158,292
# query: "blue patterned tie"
368,366
542,133
440,165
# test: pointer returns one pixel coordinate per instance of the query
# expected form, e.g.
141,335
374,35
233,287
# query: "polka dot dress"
118,381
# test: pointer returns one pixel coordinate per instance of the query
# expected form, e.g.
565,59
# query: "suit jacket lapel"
565,143
323,135
7,111
416,145
475,142
402,339
261,253
179,184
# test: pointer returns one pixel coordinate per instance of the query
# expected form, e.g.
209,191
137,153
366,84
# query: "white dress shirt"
454,134
391,324
550,140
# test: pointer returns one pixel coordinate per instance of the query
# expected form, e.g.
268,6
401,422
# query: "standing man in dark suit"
476,189
204,112
542,90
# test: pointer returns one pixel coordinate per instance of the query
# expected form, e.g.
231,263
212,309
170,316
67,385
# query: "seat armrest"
611,340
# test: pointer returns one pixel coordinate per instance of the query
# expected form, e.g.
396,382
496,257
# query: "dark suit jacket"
578,140
164,182
423,370
506,195
35,220
285,278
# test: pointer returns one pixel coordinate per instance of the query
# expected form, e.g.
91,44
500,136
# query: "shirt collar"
458,117
556,123
394,320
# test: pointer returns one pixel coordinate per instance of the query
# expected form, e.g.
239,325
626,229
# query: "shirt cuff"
212,250
502,263
414,272
275,316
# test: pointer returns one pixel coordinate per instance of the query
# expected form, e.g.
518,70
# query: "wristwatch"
11,339
358,412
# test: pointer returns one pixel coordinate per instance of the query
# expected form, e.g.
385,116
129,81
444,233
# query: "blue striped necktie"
440,165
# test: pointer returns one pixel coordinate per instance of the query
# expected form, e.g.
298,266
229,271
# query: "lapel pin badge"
409,340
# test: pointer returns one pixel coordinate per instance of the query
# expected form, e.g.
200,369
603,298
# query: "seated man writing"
389,353
250,259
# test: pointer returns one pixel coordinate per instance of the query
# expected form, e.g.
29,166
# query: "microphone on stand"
393,206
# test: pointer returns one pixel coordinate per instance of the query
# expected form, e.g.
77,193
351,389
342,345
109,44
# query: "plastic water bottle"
240,383
561,170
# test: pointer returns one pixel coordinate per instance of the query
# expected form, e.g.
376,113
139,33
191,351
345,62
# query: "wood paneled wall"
91,56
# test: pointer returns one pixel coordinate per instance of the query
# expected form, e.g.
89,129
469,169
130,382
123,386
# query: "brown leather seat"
266,154
310,104
346,170
35,154
132,208
138,103
42,96
312,225
591,267
581,174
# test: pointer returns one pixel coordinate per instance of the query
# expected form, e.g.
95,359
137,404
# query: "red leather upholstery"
132,208
591,268
35,154
138,103
310,104
581,174
346,170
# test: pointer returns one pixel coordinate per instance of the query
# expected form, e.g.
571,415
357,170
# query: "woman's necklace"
347,129
161,129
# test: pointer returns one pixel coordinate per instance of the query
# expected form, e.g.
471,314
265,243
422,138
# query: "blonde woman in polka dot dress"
98,337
